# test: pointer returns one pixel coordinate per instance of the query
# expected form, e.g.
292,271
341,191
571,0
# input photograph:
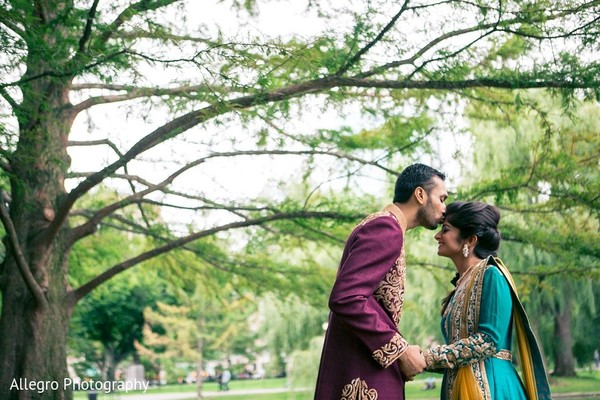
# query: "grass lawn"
586,381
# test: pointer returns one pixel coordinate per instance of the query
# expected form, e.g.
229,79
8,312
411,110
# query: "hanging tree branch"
196,117
87,32
89,226
119,154
130,12
78,293
349,63
135,93
11,102
496,25
28,277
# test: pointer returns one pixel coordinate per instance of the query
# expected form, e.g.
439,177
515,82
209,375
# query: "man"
364,355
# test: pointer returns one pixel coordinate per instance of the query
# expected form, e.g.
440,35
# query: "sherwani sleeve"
371,252
494,320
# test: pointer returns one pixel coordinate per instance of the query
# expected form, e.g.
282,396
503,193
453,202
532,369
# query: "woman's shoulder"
493,276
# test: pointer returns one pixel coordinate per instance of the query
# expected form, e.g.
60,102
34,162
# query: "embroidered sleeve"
460,353
391,351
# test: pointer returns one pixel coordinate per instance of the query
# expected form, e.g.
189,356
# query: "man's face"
432,213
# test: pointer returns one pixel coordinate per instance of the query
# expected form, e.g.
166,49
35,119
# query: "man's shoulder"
379,223
387,216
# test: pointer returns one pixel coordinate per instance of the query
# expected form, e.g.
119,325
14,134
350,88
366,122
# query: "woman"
478,316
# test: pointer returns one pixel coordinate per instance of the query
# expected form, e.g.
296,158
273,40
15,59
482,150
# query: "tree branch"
193,118
119,154
449,56
41,9
349,63
11,102
28,277
138,33
573,32
77,294
63,73
89,226
7,18
137,229
497,25
87,32
214,205
133,93
4,163
130,12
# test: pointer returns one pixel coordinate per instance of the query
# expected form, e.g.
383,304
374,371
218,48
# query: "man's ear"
420,195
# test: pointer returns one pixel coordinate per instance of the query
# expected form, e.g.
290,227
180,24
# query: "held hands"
412,362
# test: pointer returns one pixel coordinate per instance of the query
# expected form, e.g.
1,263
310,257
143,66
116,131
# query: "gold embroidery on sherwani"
358,390
390,294
391,289
371,217
391,351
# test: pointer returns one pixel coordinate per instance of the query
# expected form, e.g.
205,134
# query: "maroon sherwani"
362,342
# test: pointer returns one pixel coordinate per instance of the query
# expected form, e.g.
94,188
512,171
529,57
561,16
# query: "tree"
63,59
108,322
539,164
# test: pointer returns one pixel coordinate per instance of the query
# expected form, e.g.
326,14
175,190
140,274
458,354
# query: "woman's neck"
464,264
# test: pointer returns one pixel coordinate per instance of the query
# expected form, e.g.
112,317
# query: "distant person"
364,355
225,378
478,315
597,359
429,383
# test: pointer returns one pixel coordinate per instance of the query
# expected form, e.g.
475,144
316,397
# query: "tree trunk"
33,276
33,341
563,354
109,367
200,349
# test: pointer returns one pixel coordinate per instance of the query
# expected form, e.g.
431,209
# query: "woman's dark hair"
412,177
479,219
474,218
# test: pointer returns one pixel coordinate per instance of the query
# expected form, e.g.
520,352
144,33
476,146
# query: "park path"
185,396
213,394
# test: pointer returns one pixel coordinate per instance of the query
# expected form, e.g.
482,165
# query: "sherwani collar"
400,217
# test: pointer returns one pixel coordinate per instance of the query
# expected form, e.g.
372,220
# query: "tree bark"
33,340
33,276
563,353
200,360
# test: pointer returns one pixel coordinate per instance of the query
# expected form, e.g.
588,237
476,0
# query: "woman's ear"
472,241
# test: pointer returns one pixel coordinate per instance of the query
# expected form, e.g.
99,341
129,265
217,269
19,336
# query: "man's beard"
426,218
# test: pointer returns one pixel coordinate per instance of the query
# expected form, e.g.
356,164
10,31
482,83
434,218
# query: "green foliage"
289,327
107,324
539,164
301,371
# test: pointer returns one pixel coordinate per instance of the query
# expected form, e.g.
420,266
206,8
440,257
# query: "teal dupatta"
532,365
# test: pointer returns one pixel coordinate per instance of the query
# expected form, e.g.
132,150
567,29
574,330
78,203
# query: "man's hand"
412,362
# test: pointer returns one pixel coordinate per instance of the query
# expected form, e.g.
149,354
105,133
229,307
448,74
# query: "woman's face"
449,241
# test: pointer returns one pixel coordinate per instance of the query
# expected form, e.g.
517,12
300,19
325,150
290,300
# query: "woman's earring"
466,250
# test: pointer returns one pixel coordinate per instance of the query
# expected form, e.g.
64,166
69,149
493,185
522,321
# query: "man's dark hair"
411,178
